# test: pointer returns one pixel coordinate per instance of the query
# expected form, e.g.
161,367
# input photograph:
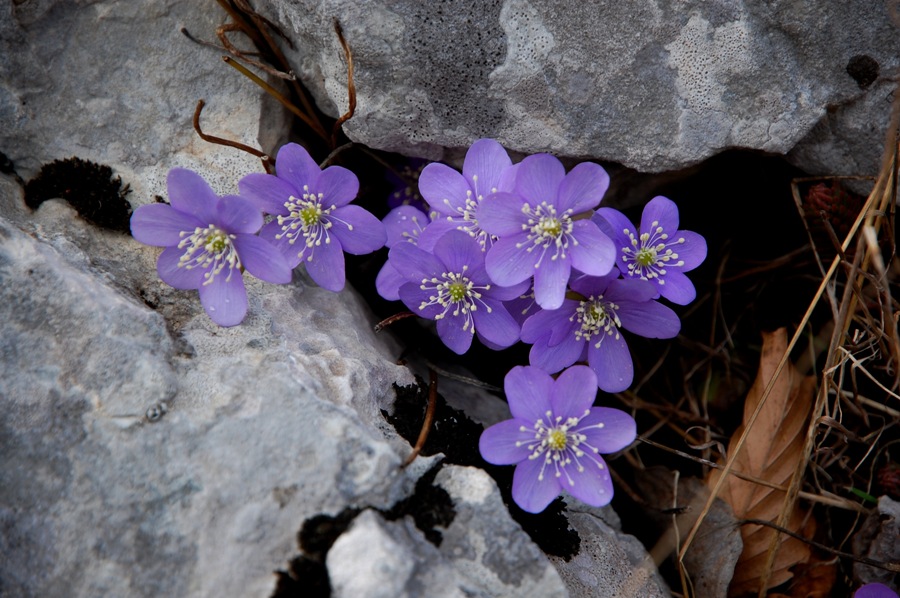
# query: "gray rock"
377,558
879,540
653,86
117,83
149,452
609,563
483,553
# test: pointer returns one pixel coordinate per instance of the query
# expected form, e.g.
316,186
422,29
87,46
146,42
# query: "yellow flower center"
556,439
457,291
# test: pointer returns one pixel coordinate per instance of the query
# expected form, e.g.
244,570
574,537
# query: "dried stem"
268,162
429,418
351,87
314,125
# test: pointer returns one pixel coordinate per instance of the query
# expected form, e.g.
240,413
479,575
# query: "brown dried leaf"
771,452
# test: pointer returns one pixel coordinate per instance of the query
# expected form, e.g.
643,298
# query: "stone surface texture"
651,85
117,82
145,451
482,554
609,563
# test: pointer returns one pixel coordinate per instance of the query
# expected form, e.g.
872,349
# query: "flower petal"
267,192
528,392
508,179
613,224
178,277
327,265
404,223
557,323
509,293
292,253
501,214
630,290
608,430
296,166
225,299
592,484
413,263
574,392
458,251
450,329
497,327
595,253
660,211
583,188
539,178
436,229
337,185
596,285
485,162
238,215
612,363
160,225
649,319
531,491
444,189
550,280
553,358
693,251
191,194
498,443
358,231
261,259
507,264
414,297
676,287
389,281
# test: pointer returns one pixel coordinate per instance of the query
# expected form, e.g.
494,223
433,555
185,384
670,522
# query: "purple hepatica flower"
406,182
555,437
457,197
588,329
658,252
208,240
402,225
538,232
451,287
313,223
875,590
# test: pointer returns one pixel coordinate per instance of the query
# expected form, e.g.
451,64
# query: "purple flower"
658,252
875,590
555,437
588,329
313,223
538,232
208,240
403,224
405,183
457,197
451,287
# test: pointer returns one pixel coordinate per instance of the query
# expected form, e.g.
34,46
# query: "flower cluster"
525,252
211,240
500,251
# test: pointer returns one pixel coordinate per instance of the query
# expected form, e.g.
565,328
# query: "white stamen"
211,249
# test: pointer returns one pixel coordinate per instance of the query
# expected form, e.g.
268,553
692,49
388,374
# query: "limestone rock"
147,452
654,86
483,553
610,563
117,83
